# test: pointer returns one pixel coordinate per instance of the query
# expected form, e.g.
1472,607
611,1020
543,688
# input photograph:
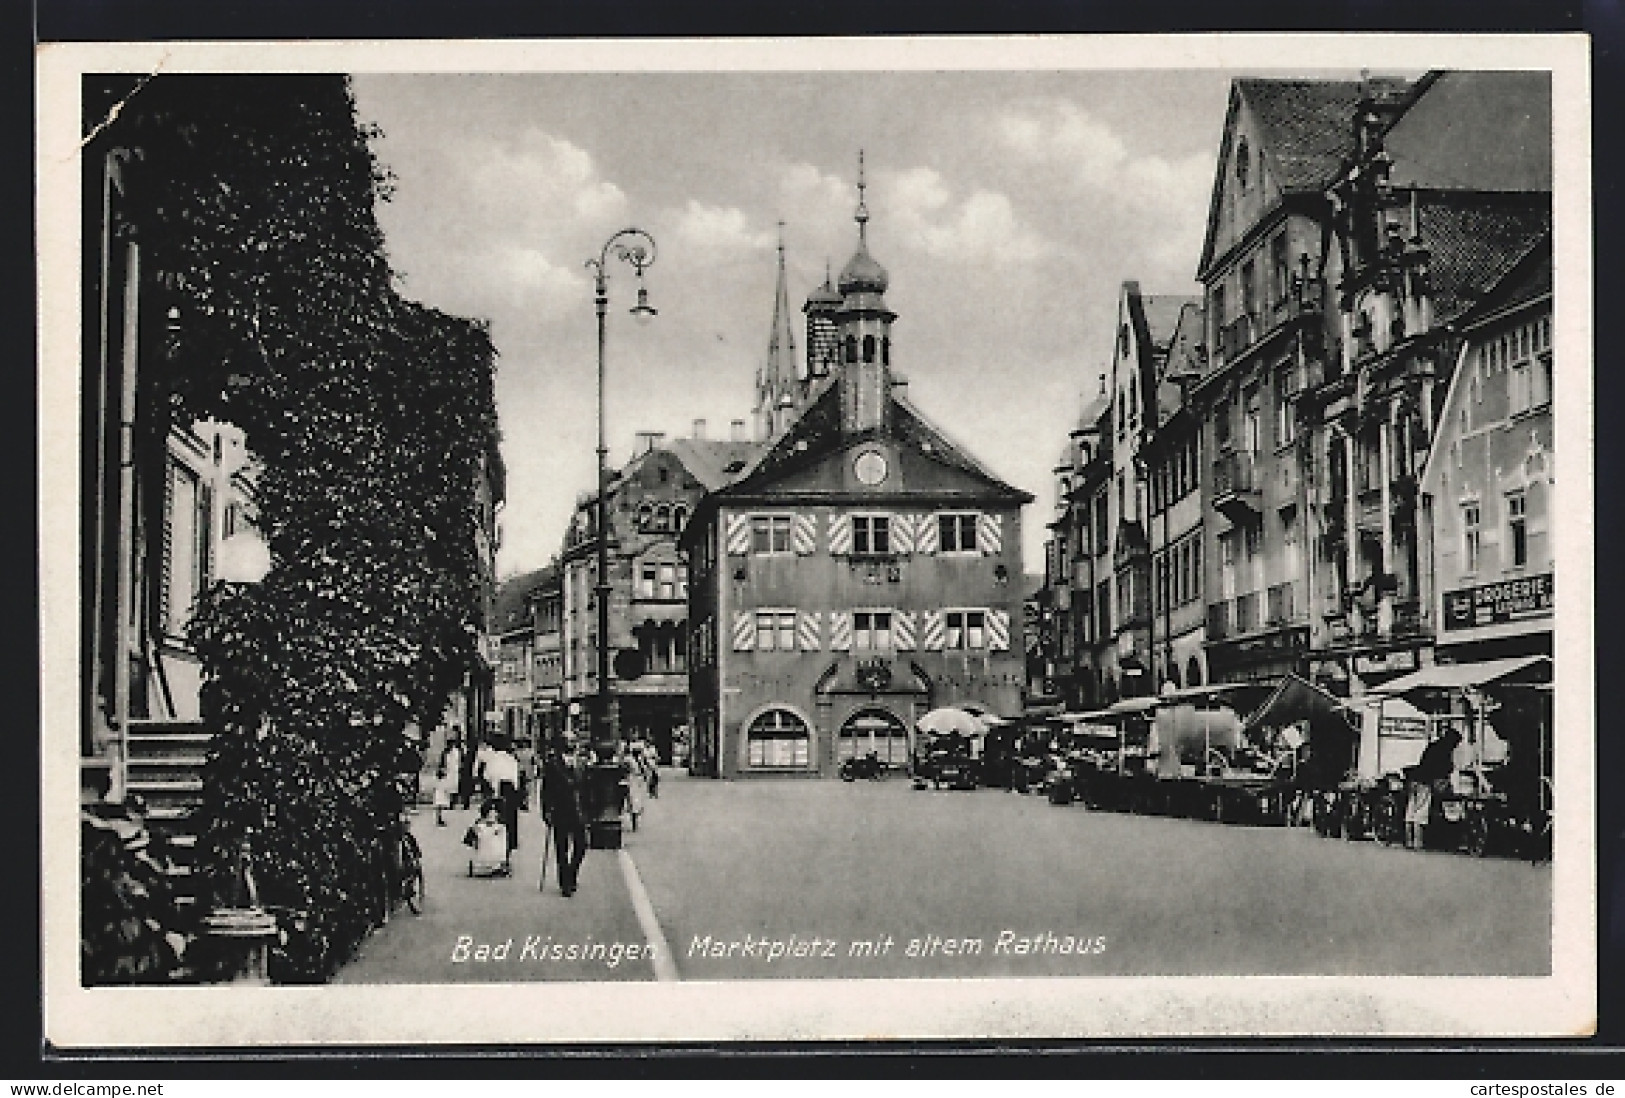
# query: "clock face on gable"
870,468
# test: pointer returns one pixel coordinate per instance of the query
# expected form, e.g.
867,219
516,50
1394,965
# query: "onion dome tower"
864,323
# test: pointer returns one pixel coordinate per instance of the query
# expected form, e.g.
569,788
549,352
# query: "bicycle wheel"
413,889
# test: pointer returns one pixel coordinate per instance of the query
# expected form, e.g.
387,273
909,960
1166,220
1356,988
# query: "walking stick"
547,841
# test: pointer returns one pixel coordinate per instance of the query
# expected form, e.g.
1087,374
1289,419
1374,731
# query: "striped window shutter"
902,534
989,533
998,630
903,630
809,631
925,534
744,631
840,535
840,631
804,535
738,535
935,634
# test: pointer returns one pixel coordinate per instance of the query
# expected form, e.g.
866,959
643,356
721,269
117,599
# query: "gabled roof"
1305,129
1528,279
1474,241
816,433
511,610
715,464
1162,312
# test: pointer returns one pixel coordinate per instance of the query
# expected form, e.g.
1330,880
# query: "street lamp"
636,247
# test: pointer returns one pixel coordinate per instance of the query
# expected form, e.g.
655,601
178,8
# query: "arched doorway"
873,729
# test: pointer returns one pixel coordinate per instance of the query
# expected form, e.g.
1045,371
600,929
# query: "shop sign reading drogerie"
1495,603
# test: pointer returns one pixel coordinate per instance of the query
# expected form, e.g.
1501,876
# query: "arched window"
1193,673
778,738
1173,676
851,348
885,350
868,348
873,730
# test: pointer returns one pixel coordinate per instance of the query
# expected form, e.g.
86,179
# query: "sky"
1008,208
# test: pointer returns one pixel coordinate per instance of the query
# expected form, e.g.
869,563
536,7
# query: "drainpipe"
119,769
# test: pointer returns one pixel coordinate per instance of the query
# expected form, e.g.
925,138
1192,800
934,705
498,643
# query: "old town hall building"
861,570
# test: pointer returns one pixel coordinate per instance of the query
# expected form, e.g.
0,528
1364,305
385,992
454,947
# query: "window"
1286,396
1221,424
186,573
1162,589
775,630
1252,432
646,581
956,533
1125,597
885,350
1518,387
851,348
967,630
770,534
868,348
778,738
871,630
662,516
1102,523
1517,529
1103,606
1469,536
1249,289
871,534
1540,380
1281,268
679,518
1243,164
668,581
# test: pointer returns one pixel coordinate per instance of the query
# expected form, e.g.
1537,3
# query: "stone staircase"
164,766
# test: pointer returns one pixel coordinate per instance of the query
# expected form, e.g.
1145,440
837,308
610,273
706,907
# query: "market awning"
1459,676
1294,700
950,720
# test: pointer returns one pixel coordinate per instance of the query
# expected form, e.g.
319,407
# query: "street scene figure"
564,812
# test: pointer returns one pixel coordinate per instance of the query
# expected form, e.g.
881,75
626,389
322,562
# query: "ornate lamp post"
636,247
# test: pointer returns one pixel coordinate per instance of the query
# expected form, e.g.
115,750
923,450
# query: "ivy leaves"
371,418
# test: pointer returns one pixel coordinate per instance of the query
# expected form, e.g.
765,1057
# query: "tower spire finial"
862,215
781,242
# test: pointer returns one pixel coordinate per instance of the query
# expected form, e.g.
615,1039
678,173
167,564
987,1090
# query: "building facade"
859,572
650,503
1102,626
1436,200
1488,482
167,505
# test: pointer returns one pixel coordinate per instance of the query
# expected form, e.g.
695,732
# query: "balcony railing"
1284,604
1246,616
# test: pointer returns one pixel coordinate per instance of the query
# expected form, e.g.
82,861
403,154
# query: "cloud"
981,228
721,227
1059,133
546,174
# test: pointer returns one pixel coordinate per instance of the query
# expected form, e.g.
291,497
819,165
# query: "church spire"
778,391
862,214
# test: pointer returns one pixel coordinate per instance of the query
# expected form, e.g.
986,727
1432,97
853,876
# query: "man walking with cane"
564,814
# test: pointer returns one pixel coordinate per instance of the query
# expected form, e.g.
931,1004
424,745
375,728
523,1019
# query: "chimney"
699,428
736,430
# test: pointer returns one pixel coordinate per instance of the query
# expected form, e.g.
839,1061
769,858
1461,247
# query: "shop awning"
1294,700
1459,676
950,720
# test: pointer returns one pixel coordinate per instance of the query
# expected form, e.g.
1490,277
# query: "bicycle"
411,871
